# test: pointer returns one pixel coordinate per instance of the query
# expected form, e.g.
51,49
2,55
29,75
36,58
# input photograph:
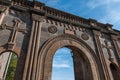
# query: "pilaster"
33,48
115,39
101,54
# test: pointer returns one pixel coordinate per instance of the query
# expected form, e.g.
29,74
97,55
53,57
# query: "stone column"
115,39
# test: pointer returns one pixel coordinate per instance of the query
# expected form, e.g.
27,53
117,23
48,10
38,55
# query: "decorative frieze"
68,31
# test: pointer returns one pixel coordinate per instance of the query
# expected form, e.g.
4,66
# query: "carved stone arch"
4,51
50,47
115,70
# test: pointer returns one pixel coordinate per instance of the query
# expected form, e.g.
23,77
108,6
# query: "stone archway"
115,71
77,45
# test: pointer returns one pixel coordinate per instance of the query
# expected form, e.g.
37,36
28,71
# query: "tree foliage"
12,67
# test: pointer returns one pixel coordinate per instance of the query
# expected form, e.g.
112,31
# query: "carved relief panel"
13,29
107,47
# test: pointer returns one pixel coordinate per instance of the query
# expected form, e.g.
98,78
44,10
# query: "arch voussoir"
51,46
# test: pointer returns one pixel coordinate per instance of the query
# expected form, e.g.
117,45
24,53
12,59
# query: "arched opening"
84,58
115,71
70,64
62,66
8,63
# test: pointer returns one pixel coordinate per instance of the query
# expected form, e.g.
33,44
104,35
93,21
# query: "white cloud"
111,11
112,16
98,3
61,65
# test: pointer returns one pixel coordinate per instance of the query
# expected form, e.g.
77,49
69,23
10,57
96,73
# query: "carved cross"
15,28
108,50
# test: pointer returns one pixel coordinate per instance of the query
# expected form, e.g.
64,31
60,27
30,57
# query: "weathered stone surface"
35,31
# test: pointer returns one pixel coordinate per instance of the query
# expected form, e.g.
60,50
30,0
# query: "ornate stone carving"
2,8
52,29
84,36
14,29
111,58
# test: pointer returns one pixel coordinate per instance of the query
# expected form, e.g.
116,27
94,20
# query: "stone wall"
30,29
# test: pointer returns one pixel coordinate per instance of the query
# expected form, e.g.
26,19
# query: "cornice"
61,16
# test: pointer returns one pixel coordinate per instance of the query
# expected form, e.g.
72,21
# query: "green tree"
12,67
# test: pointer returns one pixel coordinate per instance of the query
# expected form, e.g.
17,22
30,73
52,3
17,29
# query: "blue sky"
105,11
63,65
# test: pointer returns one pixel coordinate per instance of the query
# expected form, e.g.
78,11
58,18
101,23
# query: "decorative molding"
16,23
68,31
52,29
67,40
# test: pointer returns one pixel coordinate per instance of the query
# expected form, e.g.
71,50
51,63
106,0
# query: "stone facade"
35,31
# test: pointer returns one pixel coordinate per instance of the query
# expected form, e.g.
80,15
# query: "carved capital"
36,17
